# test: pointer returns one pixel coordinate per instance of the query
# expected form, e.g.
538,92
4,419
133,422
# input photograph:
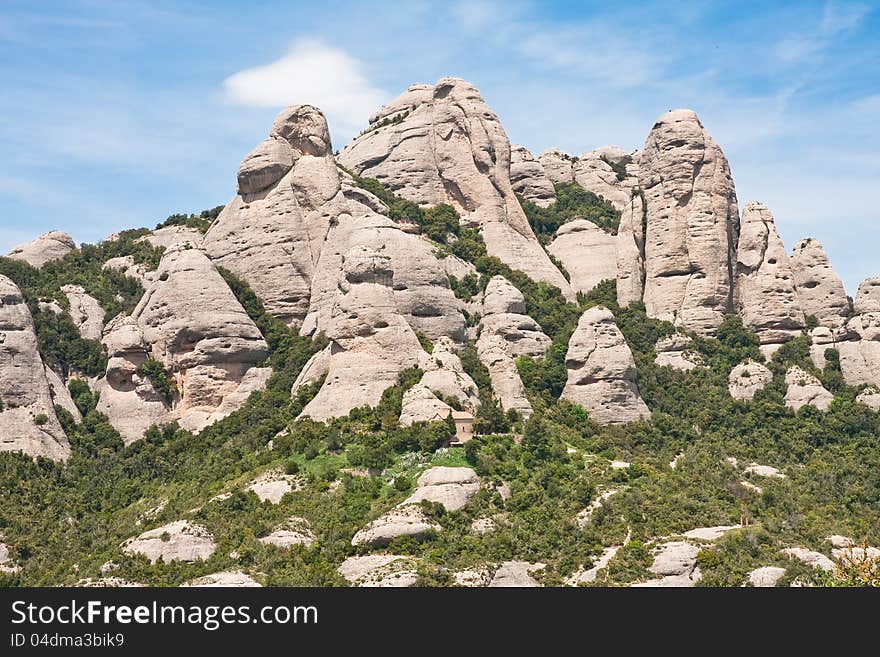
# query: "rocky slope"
301,397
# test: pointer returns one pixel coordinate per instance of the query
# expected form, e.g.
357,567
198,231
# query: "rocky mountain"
282,377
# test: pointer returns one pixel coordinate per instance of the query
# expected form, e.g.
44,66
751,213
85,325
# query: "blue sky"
115,114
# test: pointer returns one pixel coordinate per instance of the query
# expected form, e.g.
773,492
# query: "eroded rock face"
602,372
294,531
676,564
196,328
128,267
371,343
507,386
85,311
558,166
53,245
176,541
870,398
820,290
504,315
693,224
587,252
804,389
443,144
271,233
27,416
631,252
528,179
128,398
746,379
765,295
594,172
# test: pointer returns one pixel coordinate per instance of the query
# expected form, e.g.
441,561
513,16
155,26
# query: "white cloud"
838,17
314,73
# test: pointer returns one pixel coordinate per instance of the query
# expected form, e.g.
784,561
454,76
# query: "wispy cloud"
315,73
837,19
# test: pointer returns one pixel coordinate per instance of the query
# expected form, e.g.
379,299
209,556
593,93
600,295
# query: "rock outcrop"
420,404
516,574
50,246
602,372
442,144
504,315
196,328
804,389
176,541
860,354
231,578
128,267
27,416
127,397
294,531
692,224
675,351
451,487
820,290
390,256
676,564
528,179
61,395
587,252
597,171
406,520
507,386
379,570
558,165
765,295
766,576
870,397
170,236
371,342
746,379
445,376
631,252
271,233
85,311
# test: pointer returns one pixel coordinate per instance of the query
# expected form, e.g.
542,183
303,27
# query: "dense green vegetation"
63,522
572,202
58,338
201,222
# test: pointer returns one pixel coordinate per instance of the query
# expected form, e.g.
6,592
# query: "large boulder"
451,487
602,371
504,315
50,246
746,379
85,311
420,404
445,375
379,570
405,520
587,252
27,415
516,574
692,224
442,144
528,179
169,236
765,295
676,564
804,389
227,578
271,233
675,351
820,290
176,541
